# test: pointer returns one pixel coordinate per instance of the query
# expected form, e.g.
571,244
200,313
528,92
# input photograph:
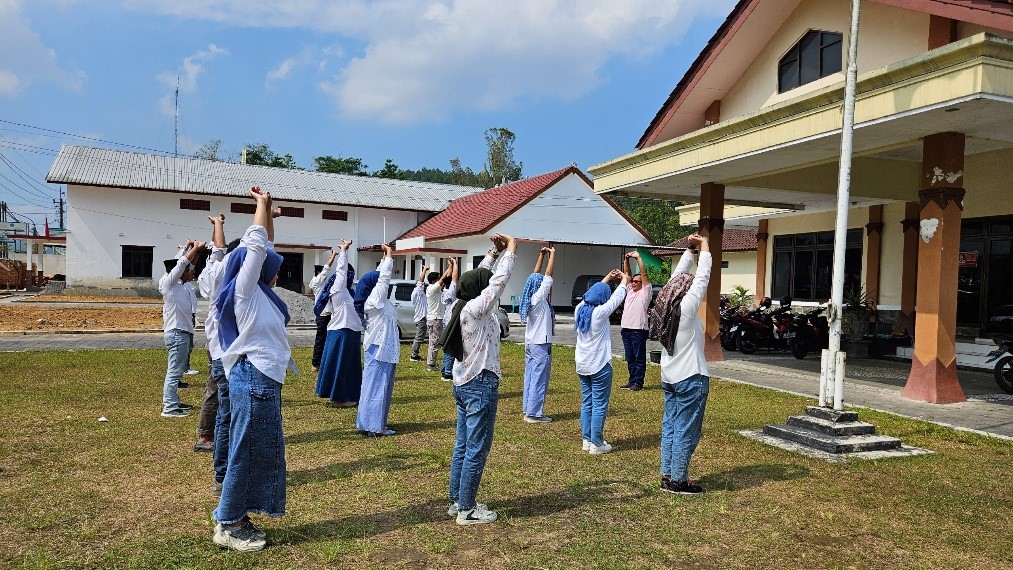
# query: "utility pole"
59,208
175,136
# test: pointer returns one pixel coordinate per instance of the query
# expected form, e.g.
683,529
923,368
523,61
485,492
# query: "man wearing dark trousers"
634,322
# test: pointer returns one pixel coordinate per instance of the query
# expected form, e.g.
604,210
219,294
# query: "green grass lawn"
130,493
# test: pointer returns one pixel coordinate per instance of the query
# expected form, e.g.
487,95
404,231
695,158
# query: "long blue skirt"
377,391
255,477
340,374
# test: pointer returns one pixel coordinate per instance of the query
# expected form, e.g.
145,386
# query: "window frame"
795,57
819,291
137,264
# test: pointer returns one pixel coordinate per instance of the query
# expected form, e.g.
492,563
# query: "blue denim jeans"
537,367
255,475
223,421
448,365
178,343
595,391
681,424
635,349
476,418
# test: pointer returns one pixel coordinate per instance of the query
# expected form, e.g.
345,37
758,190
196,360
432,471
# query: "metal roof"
92,166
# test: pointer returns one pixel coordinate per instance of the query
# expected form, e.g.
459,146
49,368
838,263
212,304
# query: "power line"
25,176
81,137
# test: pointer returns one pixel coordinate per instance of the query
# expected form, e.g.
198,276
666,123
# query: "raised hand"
386,249
344,244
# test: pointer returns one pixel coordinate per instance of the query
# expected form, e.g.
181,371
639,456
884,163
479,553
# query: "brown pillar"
712,224
909,275
874,252
761,261
941,31
933,375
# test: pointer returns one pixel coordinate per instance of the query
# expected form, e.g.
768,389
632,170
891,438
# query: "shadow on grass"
648,441
434,511
331,434
343,469
749,476
404,428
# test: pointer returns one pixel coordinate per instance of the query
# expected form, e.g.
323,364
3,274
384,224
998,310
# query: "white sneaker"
243,538
191,372
478,515
605,447
586,446
453,509
537,419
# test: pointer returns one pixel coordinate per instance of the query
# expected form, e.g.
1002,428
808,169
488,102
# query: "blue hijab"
596,295
228,328
362,291
530,288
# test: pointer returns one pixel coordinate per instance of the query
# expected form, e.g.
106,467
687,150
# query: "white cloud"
191,68
24,59
423,61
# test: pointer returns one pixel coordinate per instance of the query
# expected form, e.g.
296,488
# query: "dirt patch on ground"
91,299
15,318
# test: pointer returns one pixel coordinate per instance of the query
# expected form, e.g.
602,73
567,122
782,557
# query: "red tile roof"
732,239
479,212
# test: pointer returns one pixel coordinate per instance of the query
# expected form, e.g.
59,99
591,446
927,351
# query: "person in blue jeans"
685,378
177,324
472,338
594,358
633,325
449,298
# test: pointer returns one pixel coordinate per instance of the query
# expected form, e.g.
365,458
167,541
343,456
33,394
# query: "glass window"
816,55
1001,226
137,261
802,280
805,240
783,242
781,282
403,292
805,271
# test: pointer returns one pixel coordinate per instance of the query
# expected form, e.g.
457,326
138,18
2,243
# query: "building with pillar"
756,121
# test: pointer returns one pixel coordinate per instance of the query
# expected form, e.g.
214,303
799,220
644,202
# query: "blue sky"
577,81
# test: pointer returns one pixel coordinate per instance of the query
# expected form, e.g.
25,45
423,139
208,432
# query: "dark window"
137,261
339,215
817,54
803,265
243,208
190,204
403,292
724,265
290,212
476,261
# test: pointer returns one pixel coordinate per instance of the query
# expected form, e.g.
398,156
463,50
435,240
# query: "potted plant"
858,311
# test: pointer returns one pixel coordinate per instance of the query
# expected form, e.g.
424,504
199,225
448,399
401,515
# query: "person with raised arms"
383,349
536,311
340,376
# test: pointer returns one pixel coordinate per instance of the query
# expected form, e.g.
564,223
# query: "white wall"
101,220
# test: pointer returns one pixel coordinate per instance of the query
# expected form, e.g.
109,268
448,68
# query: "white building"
590,233
126,212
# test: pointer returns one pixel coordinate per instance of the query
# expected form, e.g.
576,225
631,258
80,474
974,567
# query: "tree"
465,176
500,166
210,151
659,218
391,170
261,154
339,165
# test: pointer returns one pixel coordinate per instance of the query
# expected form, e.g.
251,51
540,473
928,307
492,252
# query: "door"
290,274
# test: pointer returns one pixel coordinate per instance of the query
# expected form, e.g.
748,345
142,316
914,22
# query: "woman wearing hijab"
684,374
340,376
251,331
472,338
594,358
383,349
536,310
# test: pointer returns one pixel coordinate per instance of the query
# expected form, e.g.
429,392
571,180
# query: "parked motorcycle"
1003,355
808,332
729,318
761,328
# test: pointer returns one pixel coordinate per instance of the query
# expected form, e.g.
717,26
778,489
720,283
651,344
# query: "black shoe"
415,357
681,487
635,388
185,406
184,385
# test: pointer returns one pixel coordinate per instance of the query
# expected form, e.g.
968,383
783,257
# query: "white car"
400,294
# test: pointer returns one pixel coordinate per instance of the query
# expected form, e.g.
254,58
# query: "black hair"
232,245
432,277
447,281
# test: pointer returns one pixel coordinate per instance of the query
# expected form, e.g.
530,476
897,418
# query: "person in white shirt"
434,313
420,304
472,338
209,281
177,324
536,311
594,358
192,291
255,356
685,378
340,376
317,287
447,299
383,349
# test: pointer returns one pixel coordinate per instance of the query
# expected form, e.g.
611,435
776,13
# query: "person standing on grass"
634,322
536,310
594,358
383,349
317,286
421,310
177,324
685,378
340,376
256,353
434,314
447,300
472,338
210,281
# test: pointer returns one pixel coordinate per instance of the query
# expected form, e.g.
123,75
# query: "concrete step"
831,443
831,414
830,427
970,354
